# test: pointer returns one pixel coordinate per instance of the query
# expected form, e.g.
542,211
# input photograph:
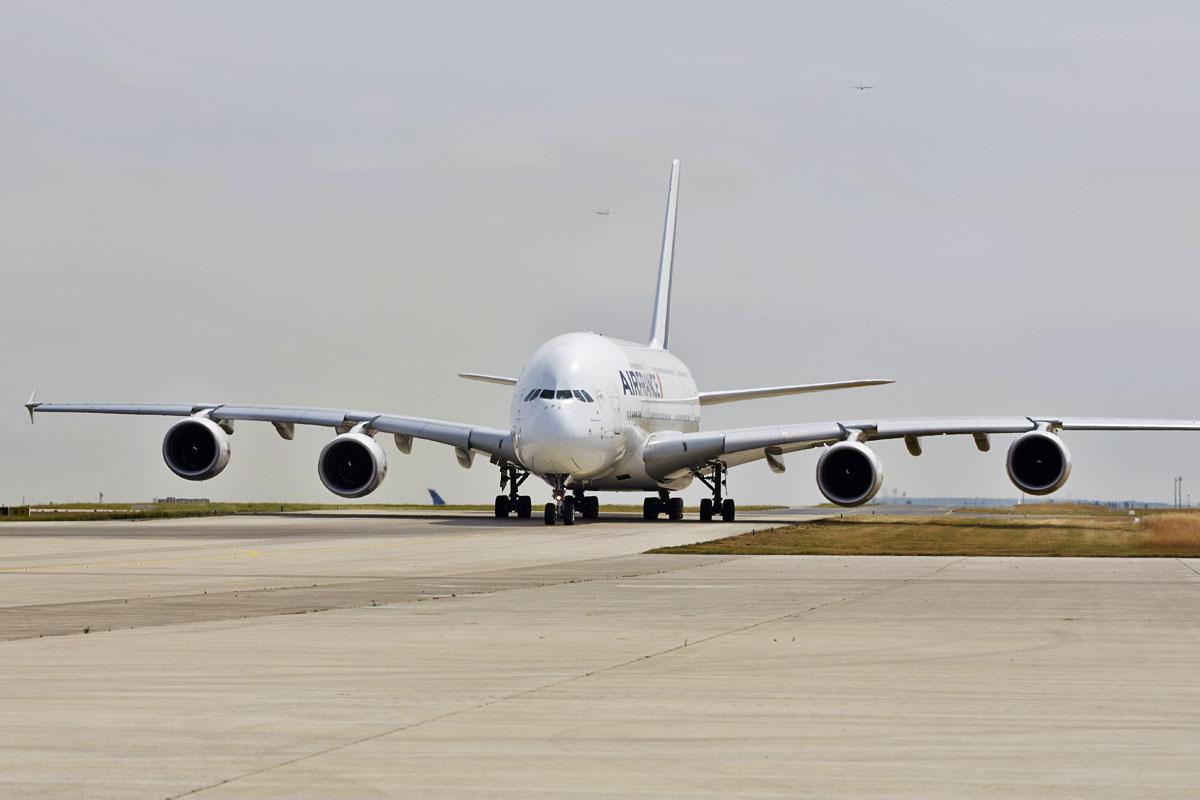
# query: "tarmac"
458,656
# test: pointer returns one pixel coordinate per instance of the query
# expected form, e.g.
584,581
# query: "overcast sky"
343,205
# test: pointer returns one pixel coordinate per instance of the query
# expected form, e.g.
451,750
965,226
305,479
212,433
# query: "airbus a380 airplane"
593,413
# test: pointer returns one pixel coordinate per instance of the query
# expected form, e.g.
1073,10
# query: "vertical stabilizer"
662,297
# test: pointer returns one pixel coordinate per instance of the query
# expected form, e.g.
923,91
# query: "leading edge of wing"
492,441
669,453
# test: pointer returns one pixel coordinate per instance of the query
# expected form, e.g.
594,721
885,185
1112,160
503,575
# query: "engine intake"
849,474
1038,463
352,465
196,448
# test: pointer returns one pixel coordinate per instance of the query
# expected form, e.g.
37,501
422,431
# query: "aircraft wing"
492,441
669,454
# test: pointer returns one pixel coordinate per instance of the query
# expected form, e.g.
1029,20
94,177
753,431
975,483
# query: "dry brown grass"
1171,531
1167,533
1044,509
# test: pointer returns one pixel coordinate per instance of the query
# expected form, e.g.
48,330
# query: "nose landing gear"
512,477
563,506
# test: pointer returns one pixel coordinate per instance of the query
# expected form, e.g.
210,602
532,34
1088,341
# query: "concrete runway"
461,657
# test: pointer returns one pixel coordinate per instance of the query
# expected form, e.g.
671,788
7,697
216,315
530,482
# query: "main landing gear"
588,506
565,506
673,506
512,477
663,504
725,507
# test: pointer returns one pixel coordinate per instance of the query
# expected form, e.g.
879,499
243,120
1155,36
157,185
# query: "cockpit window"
560,394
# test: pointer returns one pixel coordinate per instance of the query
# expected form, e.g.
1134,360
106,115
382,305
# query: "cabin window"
547,394
564,394
587,397
578,395
532,395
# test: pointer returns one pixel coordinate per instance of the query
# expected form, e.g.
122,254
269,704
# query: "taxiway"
450,656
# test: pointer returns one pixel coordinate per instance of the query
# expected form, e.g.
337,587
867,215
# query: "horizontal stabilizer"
732,396
500,379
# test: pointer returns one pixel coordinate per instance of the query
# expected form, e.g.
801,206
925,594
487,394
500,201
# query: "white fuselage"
609,396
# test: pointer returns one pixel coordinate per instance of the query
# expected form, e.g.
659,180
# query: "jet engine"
196,448
1038,463
849,473
352,465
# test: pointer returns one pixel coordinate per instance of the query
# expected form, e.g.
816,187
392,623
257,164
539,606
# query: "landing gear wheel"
650,508
675,509
512,477
728,510
716,482
587,507
502,506
550,513
568,511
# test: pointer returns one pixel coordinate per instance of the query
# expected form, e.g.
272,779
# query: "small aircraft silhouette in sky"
862,87
603,213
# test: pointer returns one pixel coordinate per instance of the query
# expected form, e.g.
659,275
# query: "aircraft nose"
563,440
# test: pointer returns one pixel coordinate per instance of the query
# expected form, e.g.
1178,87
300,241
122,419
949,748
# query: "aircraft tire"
728,511
503,507
568,511
524,507
706,510
650,508
675,509
593,507
549,513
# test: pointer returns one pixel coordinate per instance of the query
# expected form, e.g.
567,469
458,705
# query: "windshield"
559,394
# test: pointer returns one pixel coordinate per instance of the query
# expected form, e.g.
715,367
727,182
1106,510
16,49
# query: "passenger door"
608,413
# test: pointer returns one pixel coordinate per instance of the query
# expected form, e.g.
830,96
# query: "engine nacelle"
352,465
1038,463
849,474
196,448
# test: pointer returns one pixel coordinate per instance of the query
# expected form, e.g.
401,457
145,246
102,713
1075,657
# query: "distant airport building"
180,501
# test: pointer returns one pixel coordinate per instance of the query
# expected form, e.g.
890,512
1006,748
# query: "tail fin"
661,322
435,497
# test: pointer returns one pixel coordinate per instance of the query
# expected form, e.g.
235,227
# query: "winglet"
32,405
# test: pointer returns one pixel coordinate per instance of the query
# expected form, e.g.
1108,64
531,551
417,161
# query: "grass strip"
1165,533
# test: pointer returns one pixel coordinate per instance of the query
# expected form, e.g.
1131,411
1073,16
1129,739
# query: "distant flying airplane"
592,413
603,213
862,87
435,497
